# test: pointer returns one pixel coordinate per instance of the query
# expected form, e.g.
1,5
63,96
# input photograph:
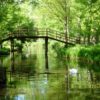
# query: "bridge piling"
1,45
46,53
3,77
12,54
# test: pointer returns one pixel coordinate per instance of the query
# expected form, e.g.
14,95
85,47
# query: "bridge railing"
21,32
28,32
42,32
61,36
56,34
53,34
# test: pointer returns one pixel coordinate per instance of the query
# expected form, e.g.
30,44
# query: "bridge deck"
39,33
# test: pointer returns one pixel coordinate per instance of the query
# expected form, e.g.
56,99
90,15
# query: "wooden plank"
40,33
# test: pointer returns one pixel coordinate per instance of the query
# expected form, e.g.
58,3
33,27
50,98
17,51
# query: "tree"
12,16
89,18
60,10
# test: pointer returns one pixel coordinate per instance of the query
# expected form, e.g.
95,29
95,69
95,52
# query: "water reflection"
19,97
28,82
47,87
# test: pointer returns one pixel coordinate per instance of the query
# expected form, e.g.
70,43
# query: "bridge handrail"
43,32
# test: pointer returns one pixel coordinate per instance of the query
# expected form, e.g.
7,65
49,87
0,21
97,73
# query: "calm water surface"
31,81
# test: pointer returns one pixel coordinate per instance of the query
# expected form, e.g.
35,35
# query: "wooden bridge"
37,33
40,33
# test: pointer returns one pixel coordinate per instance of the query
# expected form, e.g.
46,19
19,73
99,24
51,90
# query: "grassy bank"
85,55
4,51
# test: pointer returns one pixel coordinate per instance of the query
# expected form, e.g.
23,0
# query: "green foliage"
90,52
56,14
91,57
60,50
76,17
85,56
4,51
12,17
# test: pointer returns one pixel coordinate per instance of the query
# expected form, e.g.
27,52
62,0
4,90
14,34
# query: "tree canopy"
73,17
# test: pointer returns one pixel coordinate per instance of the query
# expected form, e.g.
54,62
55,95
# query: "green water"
31,81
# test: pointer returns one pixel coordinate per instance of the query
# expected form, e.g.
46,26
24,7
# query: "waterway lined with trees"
61,63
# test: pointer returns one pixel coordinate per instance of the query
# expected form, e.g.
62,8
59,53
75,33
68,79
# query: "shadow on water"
93,69
28,82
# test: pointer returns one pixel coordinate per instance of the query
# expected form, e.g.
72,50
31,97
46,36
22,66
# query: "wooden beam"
12,54
46,53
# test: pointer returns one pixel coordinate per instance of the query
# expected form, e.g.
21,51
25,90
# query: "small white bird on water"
73,71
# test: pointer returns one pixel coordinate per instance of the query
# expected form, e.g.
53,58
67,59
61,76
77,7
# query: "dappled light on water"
61,81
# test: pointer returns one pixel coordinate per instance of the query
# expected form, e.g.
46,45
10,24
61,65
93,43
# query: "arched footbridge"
39,33
45,34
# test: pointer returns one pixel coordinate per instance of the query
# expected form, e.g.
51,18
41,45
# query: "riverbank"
4,51
88,54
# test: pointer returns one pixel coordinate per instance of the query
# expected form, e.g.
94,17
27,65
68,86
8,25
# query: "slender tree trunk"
97,38
91,76
84,39
80,30
66,19
88,38
1,45
89,24
66,28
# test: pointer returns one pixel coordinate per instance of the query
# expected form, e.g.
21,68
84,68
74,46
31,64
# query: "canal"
30,80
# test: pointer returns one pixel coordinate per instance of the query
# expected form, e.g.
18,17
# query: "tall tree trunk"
1,45
80,30
66,28
97,38
88,38
66,19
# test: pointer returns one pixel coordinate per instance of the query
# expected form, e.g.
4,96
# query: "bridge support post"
3,77
12,54
22,42
1,45
46,53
